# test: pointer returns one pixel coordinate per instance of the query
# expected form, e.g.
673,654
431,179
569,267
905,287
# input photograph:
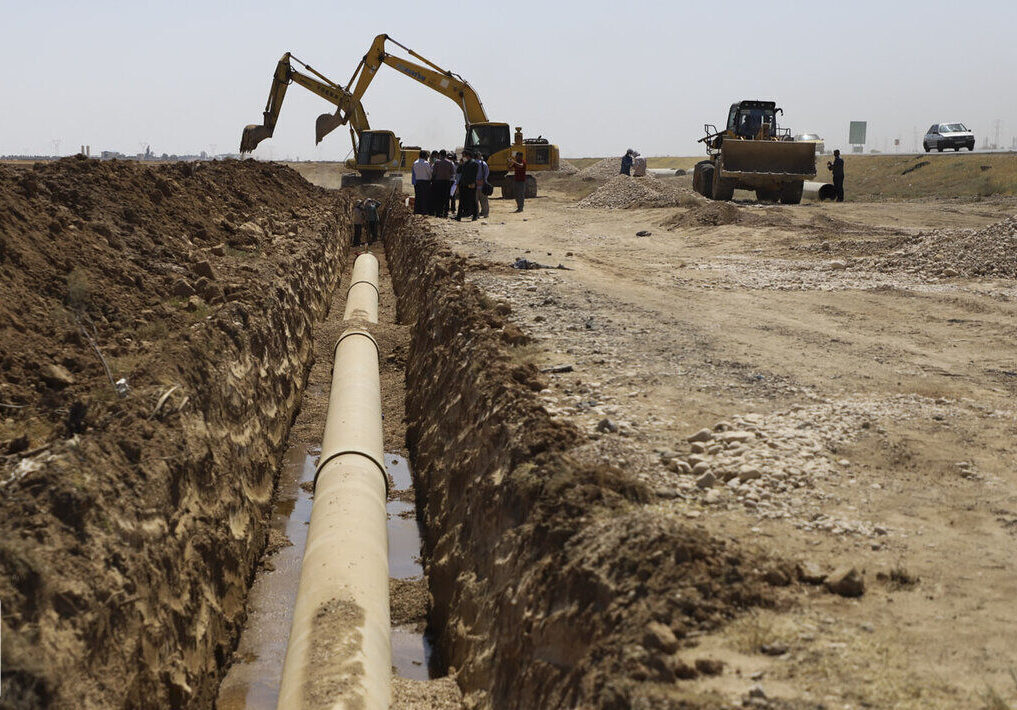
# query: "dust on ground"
859,412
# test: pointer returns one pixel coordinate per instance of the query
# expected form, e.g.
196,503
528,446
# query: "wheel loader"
754,153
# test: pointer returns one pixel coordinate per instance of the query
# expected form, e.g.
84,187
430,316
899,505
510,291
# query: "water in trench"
252,682
412,651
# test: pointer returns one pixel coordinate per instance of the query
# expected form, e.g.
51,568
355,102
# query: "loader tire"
702,180
767,195
791,193
531,186
506,191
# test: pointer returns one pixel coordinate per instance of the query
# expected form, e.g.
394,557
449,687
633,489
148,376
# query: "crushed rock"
625,192
990,251
601,170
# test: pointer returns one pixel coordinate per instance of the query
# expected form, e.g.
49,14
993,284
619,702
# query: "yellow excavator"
489,137
375,152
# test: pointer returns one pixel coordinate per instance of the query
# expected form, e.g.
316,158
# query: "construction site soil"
729,446
155,339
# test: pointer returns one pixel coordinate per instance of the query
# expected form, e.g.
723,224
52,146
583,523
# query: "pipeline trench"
519,576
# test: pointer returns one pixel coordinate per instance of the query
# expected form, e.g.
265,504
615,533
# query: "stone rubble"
624,192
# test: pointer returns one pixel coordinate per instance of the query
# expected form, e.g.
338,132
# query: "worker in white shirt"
421,179
483,189
638,165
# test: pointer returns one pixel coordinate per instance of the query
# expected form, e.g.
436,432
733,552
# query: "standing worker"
358,222
421,179
837,168
468,188
483,175
371,214
518,166
442,173
638,164
626,166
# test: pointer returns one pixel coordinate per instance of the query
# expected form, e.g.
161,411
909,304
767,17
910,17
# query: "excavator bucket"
326,123
253,135
778,158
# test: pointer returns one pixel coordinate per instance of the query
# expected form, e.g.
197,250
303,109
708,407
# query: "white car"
812,138
948,135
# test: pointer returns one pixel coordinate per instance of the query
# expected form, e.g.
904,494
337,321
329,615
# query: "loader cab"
749,119
488,138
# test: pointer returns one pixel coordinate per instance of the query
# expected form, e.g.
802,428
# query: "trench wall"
546,575
134,595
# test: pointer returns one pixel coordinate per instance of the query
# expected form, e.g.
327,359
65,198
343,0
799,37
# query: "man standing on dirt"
483,173
371,215
468,188
421,179
518,166
442,173
638,165
626,166
359,218
837,168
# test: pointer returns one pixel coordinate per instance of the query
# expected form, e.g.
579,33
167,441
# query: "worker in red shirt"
518,165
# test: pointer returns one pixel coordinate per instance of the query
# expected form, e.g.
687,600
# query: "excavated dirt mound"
991,251
623,191
552,584
131,521
709,214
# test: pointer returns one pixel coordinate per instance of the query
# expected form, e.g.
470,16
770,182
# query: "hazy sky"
595,77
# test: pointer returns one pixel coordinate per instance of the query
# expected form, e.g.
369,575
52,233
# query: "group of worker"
633,163
439,179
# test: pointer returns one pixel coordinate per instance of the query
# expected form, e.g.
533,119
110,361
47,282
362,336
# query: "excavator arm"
427,73
350,110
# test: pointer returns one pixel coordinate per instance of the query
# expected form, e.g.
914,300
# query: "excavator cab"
376,148
488,138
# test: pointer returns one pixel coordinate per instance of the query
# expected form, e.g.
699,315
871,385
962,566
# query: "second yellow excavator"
491,138
375,152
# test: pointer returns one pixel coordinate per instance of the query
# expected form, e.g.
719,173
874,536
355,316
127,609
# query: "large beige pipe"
818,191
339,656
362,298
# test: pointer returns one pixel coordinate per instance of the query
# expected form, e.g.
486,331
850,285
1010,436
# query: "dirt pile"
709,214
551,586
625,192
991,252
131,516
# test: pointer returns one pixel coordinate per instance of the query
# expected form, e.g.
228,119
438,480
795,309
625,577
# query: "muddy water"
252,682
412,652
253,679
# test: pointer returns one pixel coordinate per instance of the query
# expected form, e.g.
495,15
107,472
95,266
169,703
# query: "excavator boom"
349,110
427,72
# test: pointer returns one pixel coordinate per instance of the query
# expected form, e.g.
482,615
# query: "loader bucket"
326,123
253,135
778,158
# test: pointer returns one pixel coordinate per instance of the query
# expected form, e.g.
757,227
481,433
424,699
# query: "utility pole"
56,147
997,125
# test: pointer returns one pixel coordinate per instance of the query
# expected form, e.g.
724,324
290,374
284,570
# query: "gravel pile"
782,465
623,191
602,170
991,251
566,168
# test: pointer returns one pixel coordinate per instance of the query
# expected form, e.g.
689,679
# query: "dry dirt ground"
872,411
